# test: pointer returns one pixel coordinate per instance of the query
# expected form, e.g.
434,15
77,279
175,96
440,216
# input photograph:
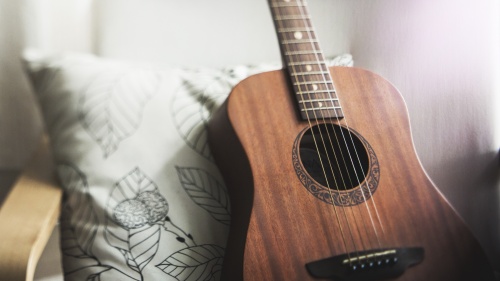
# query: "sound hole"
334,157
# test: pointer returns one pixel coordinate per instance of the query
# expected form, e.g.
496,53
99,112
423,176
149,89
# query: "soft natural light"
496,34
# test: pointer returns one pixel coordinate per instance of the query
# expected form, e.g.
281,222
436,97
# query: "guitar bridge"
379,264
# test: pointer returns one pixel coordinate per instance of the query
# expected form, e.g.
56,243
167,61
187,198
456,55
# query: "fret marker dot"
287,0
320,104
297,35
315,87
309,67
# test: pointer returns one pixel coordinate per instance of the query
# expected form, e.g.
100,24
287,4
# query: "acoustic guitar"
323,176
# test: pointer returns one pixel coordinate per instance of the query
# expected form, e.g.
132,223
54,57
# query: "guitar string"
358,160
322,67
329,160
353,164
285,46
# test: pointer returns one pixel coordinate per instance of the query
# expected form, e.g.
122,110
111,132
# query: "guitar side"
278,225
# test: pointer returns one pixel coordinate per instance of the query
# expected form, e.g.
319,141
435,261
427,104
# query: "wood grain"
278,226
28,216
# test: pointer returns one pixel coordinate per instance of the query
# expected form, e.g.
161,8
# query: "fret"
320,104
310,73
299,41
311,52
312,92
320,108
318,100
300,54
309,68
310,76
292,17
301,29
324,82
299,63
323,113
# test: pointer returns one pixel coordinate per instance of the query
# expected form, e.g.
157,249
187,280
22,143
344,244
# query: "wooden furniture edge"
28,216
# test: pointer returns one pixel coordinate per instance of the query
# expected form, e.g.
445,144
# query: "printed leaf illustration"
112,105
135,210
79,221
206,192
202,92
98,273
198,263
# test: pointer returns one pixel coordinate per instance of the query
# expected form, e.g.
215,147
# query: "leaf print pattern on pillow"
78,226
206,192
78,217
133,228
112,105
137,215
118,223
198,263
201,93
194,103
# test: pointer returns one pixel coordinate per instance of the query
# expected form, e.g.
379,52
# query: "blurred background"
443,55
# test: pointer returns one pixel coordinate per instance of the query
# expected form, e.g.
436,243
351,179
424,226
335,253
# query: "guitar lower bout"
291,209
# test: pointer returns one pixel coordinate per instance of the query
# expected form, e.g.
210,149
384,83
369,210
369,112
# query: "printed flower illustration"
156,205
148,207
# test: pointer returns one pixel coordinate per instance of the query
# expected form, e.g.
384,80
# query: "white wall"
50,25
19,122
200,32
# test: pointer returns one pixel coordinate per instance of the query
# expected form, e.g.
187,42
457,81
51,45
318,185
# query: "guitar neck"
312,84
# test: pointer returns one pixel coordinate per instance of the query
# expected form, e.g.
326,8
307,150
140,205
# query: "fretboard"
304,60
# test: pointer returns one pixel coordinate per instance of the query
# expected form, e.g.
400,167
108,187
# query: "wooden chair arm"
28,216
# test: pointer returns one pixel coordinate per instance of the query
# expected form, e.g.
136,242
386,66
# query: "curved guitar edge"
415,154
410,131
232,161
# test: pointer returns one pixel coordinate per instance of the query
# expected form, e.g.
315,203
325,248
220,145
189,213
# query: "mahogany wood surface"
278,226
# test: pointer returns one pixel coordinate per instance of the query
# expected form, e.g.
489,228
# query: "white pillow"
143,197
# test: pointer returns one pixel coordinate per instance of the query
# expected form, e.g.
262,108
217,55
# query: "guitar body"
279,224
